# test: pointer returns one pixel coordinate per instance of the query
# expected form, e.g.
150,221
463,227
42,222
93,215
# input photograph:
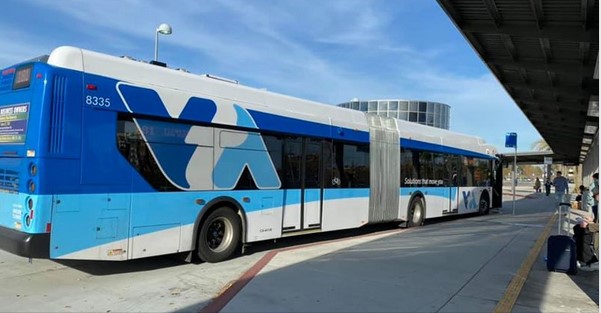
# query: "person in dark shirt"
586,235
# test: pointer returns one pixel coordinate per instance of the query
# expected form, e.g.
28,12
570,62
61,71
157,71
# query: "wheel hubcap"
219,234
483,205
417,214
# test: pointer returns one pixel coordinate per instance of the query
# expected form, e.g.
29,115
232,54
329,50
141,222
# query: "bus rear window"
22,77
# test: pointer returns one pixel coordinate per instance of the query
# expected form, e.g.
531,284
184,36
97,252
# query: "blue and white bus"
109,158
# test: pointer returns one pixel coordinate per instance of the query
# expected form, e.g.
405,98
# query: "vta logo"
469,200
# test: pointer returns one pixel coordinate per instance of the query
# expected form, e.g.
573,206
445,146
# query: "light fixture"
590,128
593,106
587,141
163,29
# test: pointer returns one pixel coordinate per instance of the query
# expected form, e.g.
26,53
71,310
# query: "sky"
328,51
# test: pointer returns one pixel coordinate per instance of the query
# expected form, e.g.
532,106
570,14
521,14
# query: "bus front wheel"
417,213
219,235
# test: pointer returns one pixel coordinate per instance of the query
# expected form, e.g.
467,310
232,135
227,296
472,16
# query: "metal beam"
569,91
537,65
552,77
510,47
541,103
553,127
585,49
559,124
537,8
471,38
557,121
563,33
493,11
545,46
586,12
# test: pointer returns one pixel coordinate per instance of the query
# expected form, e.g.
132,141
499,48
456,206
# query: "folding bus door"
312,187
454,171
304,193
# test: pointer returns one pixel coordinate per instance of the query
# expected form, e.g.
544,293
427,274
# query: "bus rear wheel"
219,235
417,213
483,207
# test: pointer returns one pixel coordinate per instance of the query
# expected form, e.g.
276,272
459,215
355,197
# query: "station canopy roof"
545,54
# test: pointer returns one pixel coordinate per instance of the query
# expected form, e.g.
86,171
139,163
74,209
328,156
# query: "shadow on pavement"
101,268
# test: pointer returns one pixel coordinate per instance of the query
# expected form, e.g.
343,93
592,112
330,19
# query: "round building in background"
423,112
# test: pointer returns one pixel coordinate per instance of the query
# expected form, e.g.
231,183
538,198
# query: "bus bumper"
24,244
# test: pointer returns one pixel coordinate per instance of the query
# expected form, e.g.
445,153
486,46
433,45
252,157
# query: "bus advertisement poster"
13,123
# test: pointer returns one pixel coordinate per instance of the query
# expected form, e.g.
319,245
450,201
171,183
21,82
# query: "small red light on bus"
91,87
39,75
8,71
48,227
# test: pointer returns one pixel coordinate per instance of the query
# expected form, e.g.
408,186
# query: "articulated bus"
110,158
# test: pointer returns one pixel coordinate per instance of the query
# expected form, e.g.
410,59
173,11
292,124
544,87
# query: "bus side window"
332,164
356,166
275,147
453,170
293,152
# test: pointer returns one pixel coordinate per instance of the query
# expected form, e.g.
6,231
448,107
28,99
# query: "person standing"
561,187
593,195
537,185
547,187
586,236
585,200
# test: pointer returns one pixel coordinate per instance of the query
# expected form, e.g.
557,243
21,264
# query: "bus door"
303,194
312,187
454,171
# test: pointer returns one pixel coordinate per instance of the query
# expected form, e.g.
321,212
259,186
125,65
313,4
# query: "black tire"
484,204
417,213
219,235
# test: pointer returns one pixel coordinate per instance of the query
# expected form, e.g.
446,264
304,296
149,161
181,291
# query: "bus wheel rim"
417,213
219,234
483,205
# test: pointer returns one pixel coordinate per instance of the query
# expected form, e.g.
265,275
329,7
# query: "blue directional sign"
511,140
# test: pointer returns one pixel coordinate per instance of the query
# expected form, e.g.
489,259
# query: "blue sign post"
511,141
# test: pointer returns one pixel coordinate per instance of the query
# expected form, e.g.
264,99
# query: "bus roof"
220,90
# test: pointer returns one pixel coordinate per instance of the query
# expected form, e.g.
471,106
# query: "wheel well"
214,205
486,196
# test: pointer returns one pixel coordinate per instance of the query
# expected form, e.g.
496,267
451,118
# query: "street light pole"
164,29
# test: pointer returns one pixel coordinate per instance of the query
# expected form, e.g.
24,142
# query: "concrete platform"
492,263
